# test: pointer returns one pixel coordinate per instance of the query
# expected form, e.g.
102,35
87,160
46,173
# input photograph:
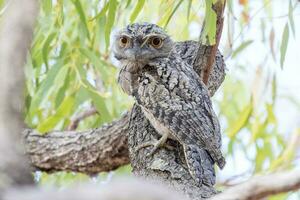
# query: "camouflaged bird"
158,73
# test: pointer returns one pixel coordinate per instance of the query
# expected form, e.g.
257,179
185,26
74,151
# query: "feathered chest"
154,81
133,75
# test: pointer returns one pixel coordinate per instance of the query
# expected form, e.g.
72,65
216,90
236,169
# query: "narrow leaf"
291,18
102,12
97,62
274,88
110,20
46,48
47,6
82,16
173,12
137,10
240,48
99,103
64,81
45,86
284,43
210,24
63,111
244,117
189,9
128,3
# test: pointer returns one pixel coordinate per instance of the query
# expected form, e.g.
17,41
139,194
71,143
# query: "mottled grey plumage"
171,95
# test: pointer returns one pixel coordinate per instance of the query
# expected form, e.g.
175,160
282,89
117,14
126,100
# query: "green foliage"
66,65
210,21
137,10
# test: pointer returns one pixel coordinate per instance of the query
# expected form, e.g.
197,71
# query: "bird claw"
156,145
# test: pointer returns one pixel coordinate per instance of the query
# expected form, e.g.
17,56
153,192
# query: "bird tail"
217,156
200,165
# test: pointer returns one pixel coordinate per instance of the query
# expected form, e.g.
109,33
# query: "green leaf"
172,13
189,9
64,110
99,103
45,86
240,48
137,10
112,8
165,17
97,62
82,95
62,90
102,12
271,115
82,16
210,24
128,3
284,43
274,88
243,119
46,48
47,6
291,18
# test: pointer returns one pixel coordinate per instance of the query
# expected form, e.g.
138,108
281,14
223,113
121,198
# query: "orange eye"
156,42
123,41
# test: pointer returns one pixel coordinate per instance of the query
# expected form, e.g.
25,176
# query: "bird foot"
156,145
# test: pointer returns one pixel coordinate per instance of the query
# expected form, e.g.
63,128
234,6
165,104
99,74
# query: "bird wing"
181,103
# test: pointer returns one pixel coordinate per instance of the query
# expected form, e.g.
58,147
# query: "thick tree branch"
262,186
92,151
15,39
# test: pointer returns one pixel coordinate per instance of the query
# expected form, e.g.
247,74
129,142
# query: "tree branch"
262,186
211,50
87,113
92,151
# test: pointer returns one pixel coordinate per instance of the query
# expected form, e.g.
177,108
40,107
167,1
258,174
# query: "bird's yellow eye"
156,42
124,41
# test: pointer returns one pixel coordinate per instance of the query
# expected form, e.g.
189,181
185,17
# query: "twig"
87,113
218,7
262,186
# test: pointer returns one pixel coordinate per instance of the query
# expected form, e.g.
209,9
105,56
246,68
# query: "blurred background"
70,70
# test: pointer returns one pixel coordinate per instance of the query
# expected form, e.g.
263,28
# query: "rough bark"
167,165
92,151
15,40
